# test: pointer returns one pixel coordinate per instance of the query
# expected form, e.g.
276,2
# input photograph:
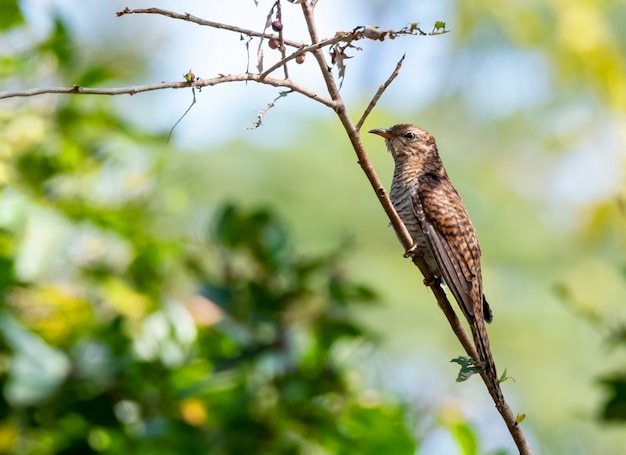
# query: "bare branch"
283,48
193,91
74,90
379,93
333,90
197,20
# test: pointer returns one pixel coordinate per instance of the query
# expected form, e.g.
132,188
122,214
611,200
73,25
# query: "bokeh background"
132,267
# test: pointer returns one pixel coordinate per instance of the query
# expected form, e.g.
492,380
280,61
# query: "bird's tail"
481,340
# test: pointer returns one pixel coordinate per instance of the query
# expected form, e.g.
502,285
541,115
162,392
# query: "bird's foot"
409,253
430,282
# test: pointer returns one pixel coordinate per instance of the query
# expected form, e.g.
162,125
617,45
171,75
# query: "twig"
338,38
197,20
379,93
181,84
193,91
356,34
283,48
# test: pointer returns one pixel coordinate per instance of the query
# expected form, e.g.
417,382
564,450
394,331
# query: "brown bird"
435,216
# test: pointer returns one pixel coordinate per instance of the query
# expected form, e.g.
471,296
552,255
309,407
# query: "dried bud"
300,59
277,25
273,43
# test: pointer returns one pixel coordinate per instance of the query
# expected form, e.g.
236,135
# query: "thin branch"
331,86
193,91
181,84
283,48
197,20
379,93
338,38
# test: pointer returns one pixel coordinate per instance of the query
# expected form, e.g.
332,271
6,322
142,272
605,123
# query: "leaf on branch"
338,56
338,59
520,418
439,28
373,32
269,19
413,27
468,368
248,40
190,77
504,377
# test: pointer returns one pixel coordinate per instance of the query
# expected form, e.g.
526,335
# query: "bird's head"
405,141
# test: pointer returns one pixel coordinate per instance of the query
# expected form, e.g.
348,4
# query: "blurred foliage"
584,40
613,330
117,336
614,406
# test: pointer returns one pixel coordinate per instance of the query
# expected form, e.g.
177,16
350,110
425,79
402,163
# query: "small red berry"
277,26
300,59
273,43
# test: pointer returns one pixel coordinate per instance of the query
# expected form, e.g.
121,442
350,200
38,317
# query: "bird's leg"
411,251
434,281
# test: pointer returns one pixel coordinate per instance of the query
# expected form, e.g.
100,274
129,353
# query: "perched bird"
435,216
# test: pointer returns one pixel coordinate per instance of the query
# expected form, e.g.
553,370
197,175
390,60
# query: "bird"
434,214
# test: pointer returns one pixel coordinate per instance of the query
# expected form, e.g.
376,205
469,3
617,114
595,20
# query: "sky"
178,46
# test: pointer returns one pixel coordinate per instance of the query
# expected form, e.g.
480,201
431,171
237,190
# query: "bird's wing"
452,239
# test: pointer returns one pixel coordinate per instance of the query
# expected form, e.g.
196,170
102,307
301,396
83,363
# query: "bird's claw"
411,251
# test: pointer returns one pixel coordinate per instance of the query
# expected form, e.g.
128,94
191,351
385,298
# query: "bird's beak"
381,132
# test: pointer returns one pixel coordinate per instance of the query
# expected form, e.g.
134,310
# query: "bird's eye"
411,136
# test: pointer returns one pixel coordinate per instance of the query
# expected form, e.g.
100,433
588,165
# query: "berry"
273,43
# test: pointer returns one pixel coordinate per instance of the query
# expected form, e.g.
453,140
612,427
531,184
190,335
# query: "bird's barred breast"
401,195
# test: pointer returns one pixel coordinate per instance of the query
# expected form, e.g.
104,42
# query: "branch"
358,33
338,38
76,90
379,93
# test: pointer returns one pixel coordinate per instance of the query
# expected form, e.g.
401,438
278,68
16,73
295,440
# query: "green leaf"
439,25
465,438
614,407
468,368
11,14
